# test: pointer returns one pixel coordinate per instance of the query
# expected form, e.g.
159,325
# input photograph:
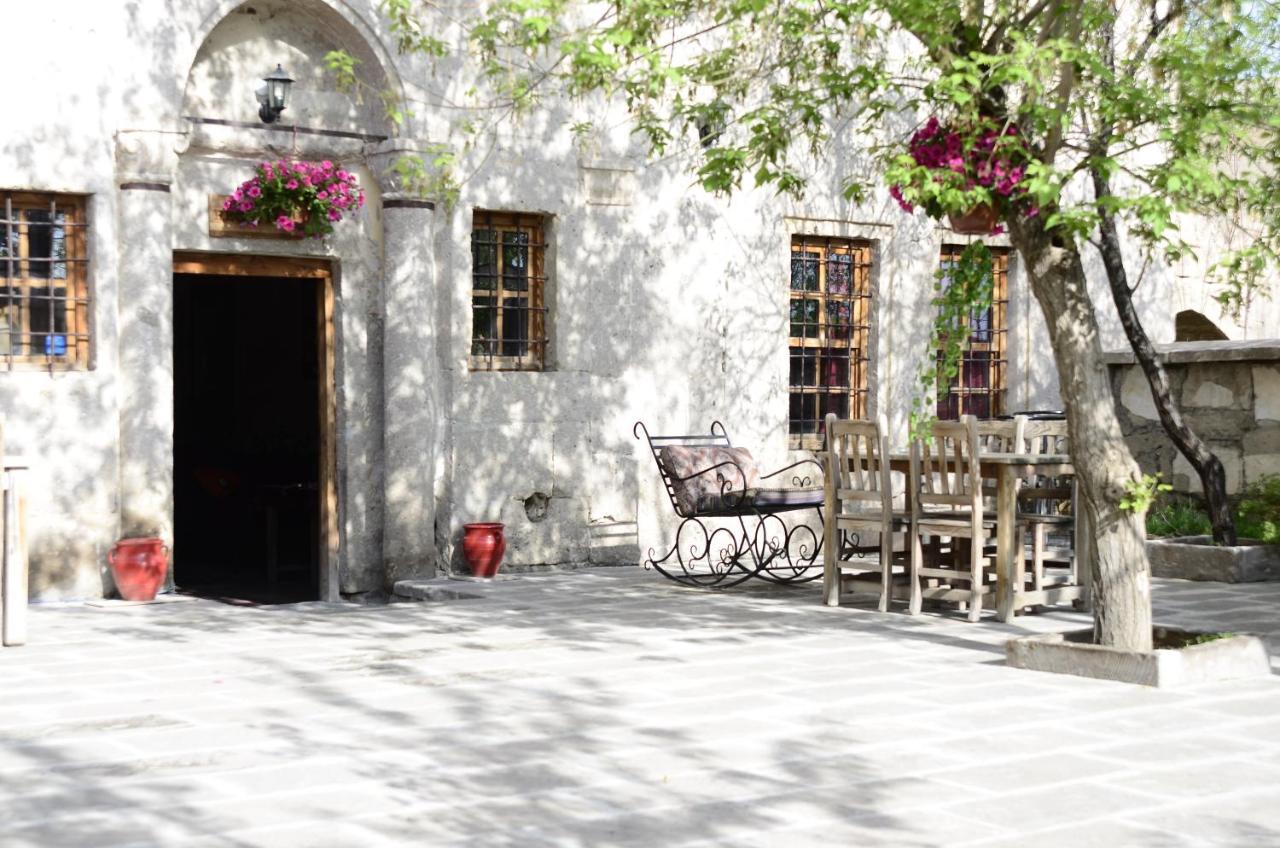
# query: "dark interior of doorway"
246,438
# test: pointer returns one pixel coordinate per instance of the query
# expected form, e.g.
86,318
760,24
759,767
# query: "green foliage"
343,67
1171,517
1259,510
1174,639
432,179
1141,494
962,289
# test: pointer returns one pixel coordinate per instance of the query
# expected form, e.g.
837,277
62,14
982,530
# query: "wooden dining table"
1009,470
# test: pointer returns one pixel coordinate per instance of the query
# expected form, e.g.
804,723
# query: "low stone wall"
1230,394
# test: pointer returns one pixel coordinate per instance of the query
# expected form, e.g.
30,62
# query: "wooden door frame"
240,265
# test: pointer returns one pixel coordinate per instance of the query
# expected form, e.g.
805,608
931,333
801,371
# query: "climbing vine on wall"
962,289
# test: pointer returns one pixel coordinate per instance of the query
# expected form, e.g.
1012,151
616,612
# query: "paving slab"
611,708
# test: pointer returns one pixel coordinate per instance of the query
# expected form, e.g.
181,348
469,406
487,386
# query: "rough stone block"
1261,440
1197,558
1185,479
1256,467
1266,393
1218,385
1230,658
1219,425
1135,395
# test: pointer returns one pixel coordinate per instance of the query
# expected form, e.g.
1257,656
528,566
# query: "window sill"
481,365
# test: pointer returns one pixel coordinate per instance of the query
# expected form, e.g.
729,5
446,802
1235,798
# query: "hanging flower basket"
983,161
296,198
981,220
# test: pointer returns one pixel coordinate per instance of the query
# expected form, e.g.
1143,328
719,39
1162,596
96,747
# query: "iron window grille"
44,292
830,329
979,389
508,287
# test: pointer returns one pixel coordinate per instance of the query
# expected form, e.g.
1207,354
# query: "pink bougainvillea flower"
896,193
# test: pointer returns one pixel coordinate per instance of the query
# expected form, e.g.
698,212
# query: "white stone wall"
668,305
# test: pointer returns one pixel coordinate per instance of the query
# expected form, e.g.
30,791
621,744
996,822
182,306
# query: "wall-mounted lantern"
274,96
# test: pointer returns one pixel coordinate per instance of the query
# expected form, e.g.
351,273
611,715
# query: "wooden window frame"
994,346
75,304
856,338
534,358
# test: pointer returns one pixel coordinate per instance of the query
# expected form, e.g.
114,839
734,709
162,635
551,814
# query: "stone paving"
612,708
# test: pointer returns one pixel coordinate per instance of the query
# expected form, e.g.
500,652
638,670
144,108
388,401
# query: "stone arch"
241,40
1192,326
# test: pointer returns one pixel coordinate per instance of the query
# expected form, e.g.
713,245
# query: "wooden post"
14,580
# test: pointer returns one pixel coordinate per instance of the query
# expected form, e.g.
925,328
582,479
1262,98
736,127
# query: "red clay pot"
483,545
138,567
978,221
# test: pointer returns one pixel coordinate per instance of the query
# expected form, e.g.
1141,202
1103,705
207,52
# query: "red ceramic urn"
138,567
483,546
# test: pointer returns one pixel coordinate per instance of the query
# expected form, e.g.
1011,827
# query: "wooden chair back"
858,464
944,469
1042,437
1000,435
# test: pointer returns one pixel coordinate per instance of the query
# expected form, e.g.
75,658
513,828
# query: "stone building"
320,417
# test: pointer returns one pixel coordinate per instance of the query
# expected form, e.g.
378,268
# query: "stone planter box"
1197,558
1229,658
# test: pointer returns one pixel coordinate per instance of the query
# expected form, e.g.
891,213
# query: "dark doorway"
247,441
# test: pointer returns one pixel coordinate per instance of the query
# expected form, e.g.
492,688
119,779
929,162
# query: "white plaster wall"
58,138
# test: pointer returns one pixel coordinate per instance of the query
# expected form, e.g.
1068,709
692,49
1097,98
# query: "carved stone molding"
382,158
148,156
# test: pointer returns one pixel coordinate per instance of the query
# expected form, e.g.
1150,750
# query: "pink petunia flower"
254,191
291,185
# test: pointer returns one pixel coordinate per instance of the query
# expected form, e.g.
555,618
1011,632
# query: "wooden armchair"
946,496
859,499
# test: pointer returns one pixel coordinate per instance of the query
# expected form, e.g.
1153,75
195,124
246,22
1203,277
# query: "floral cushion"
738,472
764,500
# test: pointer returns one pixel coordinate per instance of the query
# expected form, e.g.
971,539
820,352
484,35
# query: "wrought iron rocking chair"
762,545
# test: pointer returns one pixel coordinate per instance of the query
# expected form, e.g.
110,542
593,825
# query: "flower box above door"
220,227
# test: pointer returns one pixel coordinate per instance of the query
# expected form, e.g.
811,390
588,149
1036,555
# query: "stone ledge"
1230,658
1197,558
1181,353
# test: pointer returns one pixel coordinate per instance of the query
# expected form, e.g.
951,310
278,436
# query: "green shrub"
1258,515
1177,517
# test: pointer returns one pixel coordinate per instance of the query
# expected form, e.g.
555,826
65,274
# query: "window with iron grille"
508,286
44,292
830,316
979,388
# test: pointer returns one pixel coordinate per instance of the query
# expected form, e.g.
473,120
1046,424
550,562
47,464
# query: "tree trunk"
1213,477
1120,572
